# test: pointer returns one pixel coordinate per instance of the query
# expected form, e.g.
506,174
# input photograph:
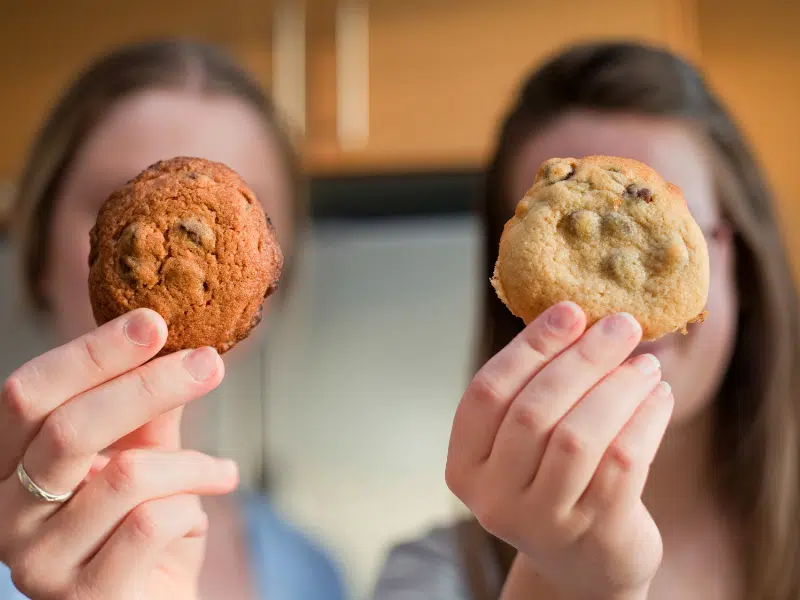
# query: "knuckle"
570,526
623,455
455,479
60,434
530,417
569,442
587,354
123,473
542,340
92,351
487,391
24,574
537,344
15,401
490,515
144,522
146,384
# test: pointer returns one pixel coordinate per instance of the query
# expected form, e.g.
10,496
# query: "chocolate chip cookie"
188,239
609,234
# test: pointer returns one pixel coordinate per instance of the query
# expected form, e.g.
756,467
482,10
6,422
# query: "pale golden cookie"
612,236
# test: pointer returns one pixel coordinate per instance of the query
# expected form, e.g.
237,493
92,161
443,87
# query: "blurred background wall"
394,104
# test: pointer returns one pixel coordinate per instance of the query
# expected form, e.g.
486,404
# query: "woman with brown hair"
588,477
98,499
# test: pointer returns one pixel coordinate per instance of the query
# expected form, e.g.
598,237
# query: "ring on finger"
38,492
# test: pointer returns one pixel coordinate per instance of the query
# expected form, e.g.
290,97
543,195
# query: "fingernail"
563,316
230,467
621,323
647,364
141,329
201,363
663,389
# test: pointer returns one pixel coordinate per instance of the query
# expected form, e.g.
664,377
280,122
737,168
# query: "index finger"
43,384
498,382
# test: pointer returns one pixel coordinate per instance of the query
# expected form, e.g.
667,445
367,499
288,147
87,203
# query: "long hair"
756,422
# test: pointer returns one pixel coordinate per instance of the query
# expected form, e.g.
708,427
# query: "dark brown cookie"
188,239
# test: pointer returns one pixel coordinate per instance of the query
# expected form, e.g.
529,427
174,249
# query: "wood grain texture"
750,57
45,42
442,72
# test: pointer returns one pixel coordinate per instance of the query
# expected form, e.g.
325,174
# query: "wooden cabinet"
751,58
441,72
390,85
45,42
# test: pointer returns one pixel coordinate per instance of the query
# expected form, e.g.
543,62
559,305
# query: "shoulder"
288,564
432,567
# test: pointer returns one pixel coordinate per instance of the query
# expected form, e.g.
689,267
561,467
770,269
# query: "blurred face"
693,364
137,132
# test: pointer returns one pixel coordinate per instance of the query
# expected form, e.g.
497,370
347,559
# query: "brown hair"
153,64
756,418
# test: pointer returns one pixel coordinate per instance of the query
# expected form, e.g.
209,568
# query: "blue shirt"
287,566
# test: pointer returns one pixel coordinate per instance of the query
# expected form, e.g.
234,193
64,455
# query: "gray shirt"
435,568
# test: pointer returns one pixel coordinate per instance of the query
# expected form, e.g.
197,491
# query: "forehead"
668,146
152,125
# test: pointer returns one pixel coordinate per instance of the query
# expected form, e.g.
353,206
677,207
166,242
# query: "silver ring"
38,492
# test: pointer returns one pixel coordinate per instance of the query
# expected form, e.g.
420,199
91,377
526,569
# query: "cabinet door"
439,73
44,43
751,59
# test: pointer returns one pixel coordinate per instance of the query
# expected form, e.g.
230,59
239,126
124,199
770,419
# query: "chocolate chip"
641,193
584,224
205,286
198,232
257,317
192,235
129,235
618,225
127,269
557,172
192,175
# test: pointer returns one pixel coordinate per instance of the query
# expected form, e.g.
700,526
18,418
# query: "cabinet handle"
289,62
352,74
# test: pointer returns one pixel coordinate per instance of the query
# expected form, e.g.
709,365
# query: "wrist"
524,582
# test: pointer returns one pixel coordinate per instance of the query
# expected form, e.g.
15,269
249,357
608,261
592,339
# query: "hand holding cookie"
99,418
181,260
550,450
553,439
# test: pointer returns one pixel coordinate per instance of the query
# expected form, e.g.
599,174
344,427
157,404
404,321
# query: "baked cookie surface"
609,234
188,239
